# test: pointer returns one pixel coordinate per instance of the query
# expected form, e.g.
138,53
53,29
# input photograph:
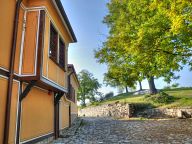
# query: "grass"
183,98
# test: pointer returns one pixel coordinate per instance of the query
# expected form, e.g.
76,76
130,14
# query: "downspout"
70,115
56,119
11,74
57,97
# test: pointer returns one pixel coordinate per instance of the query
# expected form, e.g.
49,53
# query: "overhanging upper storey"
44,34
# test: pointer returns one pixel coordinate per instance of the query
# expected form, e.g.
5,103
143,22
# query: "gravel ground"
110,131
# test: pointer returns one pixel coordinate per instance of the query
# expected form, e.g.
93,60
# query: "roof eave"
74,72
58,5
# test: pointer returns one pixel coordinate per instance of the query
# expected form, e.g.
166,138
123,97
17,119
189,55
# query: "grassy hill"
182,98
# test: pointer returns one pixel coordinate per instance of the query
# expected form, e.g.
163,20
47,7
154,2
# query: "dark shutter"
73,95
61,53
53,43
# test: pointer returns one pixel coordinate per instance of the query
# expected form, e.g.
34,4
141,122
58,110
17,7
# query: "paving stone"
110,131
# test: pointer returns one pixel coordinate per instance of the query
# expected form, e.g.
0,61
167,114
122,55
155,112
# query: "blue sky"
86,18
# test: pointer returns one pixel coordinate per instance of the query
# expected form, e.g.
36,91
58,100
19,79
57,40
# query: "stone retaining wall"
120,110
175,112
117,110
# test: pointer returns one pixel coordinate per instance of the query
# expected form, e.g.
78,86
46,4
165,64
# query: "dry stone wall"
125,110
117,110
174,112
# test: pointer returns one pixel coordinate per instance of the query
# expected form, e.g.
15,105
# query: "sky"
86,18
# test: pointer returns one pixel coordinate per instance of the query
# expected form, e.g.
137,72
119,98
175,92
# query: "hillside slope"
182,98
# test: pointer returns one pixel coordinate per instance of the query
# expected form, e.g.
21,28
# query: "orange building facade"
37,86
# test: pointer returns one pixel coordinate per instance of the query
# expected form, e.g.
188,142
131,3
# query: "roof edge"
74,71
64,15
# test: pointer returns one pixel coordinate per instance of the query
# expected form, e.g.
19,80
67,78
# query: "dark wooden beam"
56,117
40,43
4,73
27,90
70,115
58,97
11,73
19,115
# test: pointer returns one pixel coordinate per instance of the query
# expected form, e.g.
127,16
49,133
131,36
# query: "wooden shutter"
61,53
53,43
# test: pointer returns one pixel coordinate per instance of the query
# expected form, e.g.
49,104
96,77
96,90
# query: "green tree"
119,76
88,87
152,37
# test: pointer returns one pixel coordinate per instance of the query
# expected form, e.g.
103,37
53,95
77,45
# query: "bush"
147,96
173,86
162,98
176,85
109,95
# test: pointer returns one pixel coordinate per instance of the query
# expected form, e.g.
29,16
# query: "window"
72,93
53,52
57,48
61,53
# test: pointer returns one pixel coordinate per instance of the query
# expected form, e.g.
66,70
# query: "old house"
37,86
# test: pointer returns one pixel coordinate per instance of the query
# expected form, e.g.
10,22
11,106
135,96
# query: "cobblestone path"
109,131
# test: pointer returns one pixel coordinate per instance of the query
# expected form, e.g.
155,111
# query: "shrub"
173,86
147,96
162,98
167,87
109,95
176,85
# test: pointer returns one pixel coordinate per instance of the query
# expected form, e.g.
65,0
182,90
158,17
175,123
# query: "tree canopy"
120,76
151,38
88,87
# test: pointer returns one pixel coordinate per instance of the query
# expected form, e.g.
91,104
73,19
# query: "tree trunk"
152,87
126,88
83,101
140,86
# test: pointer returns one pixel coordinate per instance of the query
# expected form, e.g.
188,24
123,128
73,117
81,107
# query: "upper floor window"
53,51
57,48
72,93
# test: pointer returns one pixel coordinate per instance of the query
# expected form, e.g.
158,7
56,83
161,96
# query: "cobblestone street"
109,131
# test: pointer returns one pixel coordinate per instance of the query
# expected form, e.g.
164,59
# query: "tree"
152,37
140,86
88,87
120,76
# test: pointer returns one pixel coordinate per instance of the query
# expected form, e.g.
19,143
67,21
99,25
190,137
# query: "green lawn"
183,98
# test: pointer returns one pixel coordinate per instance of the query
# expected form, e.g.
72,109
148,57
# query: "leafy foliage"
173,86
88,87
109,95
120,76
148,38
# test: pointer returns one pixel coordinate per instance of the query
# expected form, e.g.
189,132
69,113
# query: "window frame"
57,59
72,93
64,53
